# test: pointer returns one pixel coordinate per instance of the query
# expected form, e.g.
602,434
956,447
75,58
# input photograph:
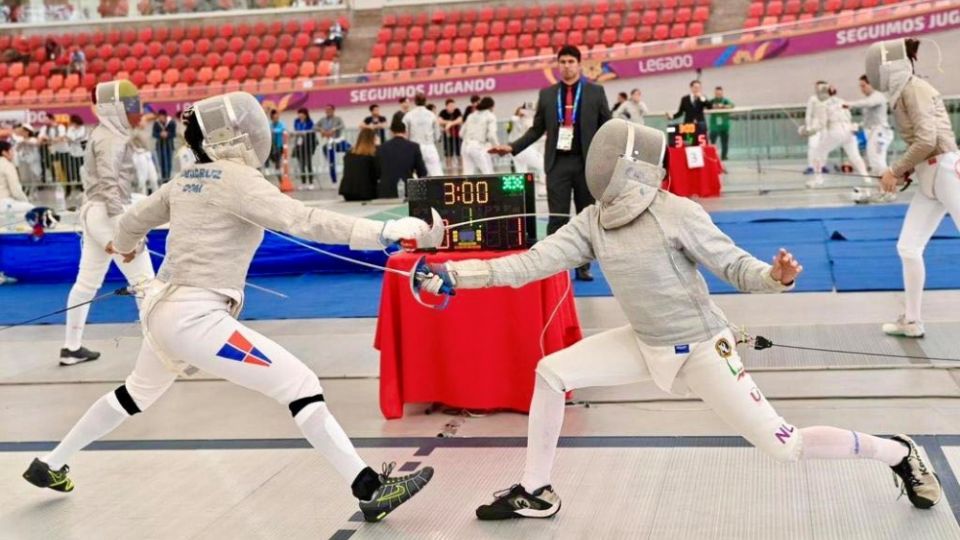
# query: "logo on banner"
239,349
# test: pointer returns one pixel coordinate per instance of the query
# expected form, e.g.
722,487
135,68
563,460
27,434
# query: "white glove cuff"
471,273
367,235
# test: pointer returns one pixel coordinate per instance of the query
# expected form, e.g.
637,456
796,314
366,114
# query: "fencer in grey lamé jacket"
217,212
108,170
649,243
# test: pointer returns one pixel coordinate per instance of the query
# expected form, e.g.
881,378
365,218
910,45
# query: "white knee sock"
543,432
104,416
325,434
914,275
824,442
77,318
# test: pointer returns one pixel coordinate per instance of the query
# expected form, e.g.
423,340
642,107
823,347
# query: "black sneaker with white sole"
41,475
515,502
917,479
83,354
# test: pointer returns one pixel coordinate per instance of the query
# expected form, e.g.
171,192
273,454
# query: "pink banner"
793,41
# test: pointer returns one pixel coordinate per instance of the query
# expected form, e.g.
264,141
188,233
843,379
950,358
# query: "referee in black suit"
569,112
692,106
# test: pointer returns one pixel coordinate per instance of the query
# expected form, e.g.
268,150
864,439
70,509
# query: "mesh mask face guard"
630,168
222,125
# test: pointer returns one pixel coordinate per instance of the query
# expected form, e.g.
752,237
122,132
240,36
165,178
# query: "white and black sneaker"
83,354
917,479
904,328
517,503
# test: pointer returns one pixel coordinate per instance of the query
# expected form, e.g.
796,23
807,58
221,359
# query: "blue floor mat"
875,265
880,229
309,296
808,214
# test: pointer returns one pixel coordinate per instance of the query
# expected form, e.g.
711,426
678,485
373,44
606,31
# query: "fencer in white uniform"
931,160
814,124
424,129
649,244
839,133
13,200
108,172
217,211
875,124
479,134
531,159
148,179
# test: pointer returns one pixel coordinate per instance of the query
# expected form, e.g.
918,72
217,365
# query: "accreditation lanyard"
561,117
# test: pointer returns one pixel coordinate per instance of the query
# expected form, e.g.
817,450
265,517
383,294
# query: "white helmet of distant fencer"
234,126
888,67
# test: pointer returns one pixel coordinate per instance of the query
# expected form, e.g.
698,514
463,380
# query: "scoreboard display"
682,135
483,212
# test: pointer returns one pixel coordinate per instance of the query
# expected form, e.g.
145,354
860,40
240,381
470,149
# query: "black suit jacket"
692,112
399,159
360,176
594,111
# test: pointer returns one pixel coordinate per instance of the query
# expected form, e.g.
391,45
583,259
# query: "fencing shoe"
903,327
515,502
393,492
41,475
83,354
917,479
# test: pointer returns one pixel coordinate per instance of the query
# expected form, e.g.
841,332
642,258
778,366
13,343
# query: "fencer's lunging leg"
543,432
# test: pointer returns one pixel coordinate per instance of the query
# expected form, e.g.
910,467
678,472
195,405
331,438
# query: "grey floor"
212,460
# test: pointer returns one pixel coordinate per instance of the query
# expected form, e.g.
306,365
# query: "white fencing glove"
413,233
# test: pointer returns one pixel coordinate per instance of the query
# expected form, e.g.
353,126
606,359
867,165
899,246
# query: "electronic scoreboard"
487,212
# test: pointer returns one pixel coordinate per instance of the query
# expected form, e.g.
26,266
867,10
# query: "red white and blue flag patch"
239,349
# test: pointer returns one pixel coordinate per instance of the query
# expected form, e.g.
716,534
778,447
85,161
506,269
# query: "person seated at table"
361,170
12,197
650,243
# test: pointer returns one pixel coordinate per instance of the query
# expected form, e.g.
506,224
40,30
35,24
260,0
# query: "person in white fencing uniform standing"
838,133
649,244
479,134
108,174
931,160
217,211
148,178
876,125
12,198
424,129
814,124
531,158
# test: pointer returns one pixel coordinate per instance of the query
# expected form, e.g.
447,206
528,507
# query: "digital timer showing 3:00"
466,192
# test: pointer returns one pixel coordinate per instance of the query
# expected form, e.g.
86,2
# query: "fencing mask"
116,99
823,91
621,153
234,126
888,67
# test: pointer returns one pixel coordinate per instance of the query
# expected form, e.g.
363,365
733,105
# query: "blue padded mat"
875,265
880,229
809,214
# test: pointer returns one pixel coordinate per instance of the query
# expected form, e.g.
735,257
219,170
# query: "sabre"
246,283
122,291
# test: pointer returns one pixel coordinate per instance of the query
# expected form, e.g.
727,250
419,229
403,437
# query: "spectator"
621,99
376,122
361,170
305,144
78,61
450,120
334,37
165,133
335,68
60,148
569,112
479,135
404,109
276,140
634,109
43,145
12,197
331,129
423,129
692,106
720,121
399,159
474,99
77,143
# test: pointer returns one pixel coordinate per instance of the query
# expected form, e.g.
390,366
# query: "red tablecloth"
703,181
479,353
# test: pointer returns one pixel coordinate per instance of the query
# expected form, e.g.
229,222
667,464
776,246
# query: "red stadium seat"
547,25
596,22
38,82
209,32
661,32
459,59
460,45
449,31
154,48
702,13
130,64
628,35
695,29
416,33
297,55
443,60
164,62
511,54
481,29
412,48
832,6
684,15
769,21
751,22
188,75
279,56
501,13
444,46
55,82
229,59
644,33
391,64
438,16
155,77
374,65
139,78
285,41
408,62
239,73
792,7
492,43
213,59
400,33
434,32
608,37
203,46
404,19
465,30
260,28
494,56
811,6
221,73
755,10
633,18
220,45
508,42
575,38
788,19
564,24
428,48
180,62
614,21
236,44
105,51
666,16
384,35
31,69
172,76
269,42
591,37
540,40
649,17
379,50
395,49
525,41
678,31
775,8
389,20
498,28
580,22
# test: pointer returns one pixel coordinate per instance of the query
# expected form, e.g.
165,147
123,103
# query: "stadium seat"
596,22
580,22
649,18
172,76
666,16
661,32
493,56
390,19
459,59
774,8
492,43
465,30
444,46
702,13
751,22
608,37
412,48
154,77
769,21
678,31
71,81
614,21
508,42
129,64
401,33
575,38
547,25
416,34
460,45
591,37
832,6
755,10
481,29
792,7
279,56
164,62
443,60
683,15
374,65
229,59
475,44
564,24
695,29
408,62
392,63
395,49
811,6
